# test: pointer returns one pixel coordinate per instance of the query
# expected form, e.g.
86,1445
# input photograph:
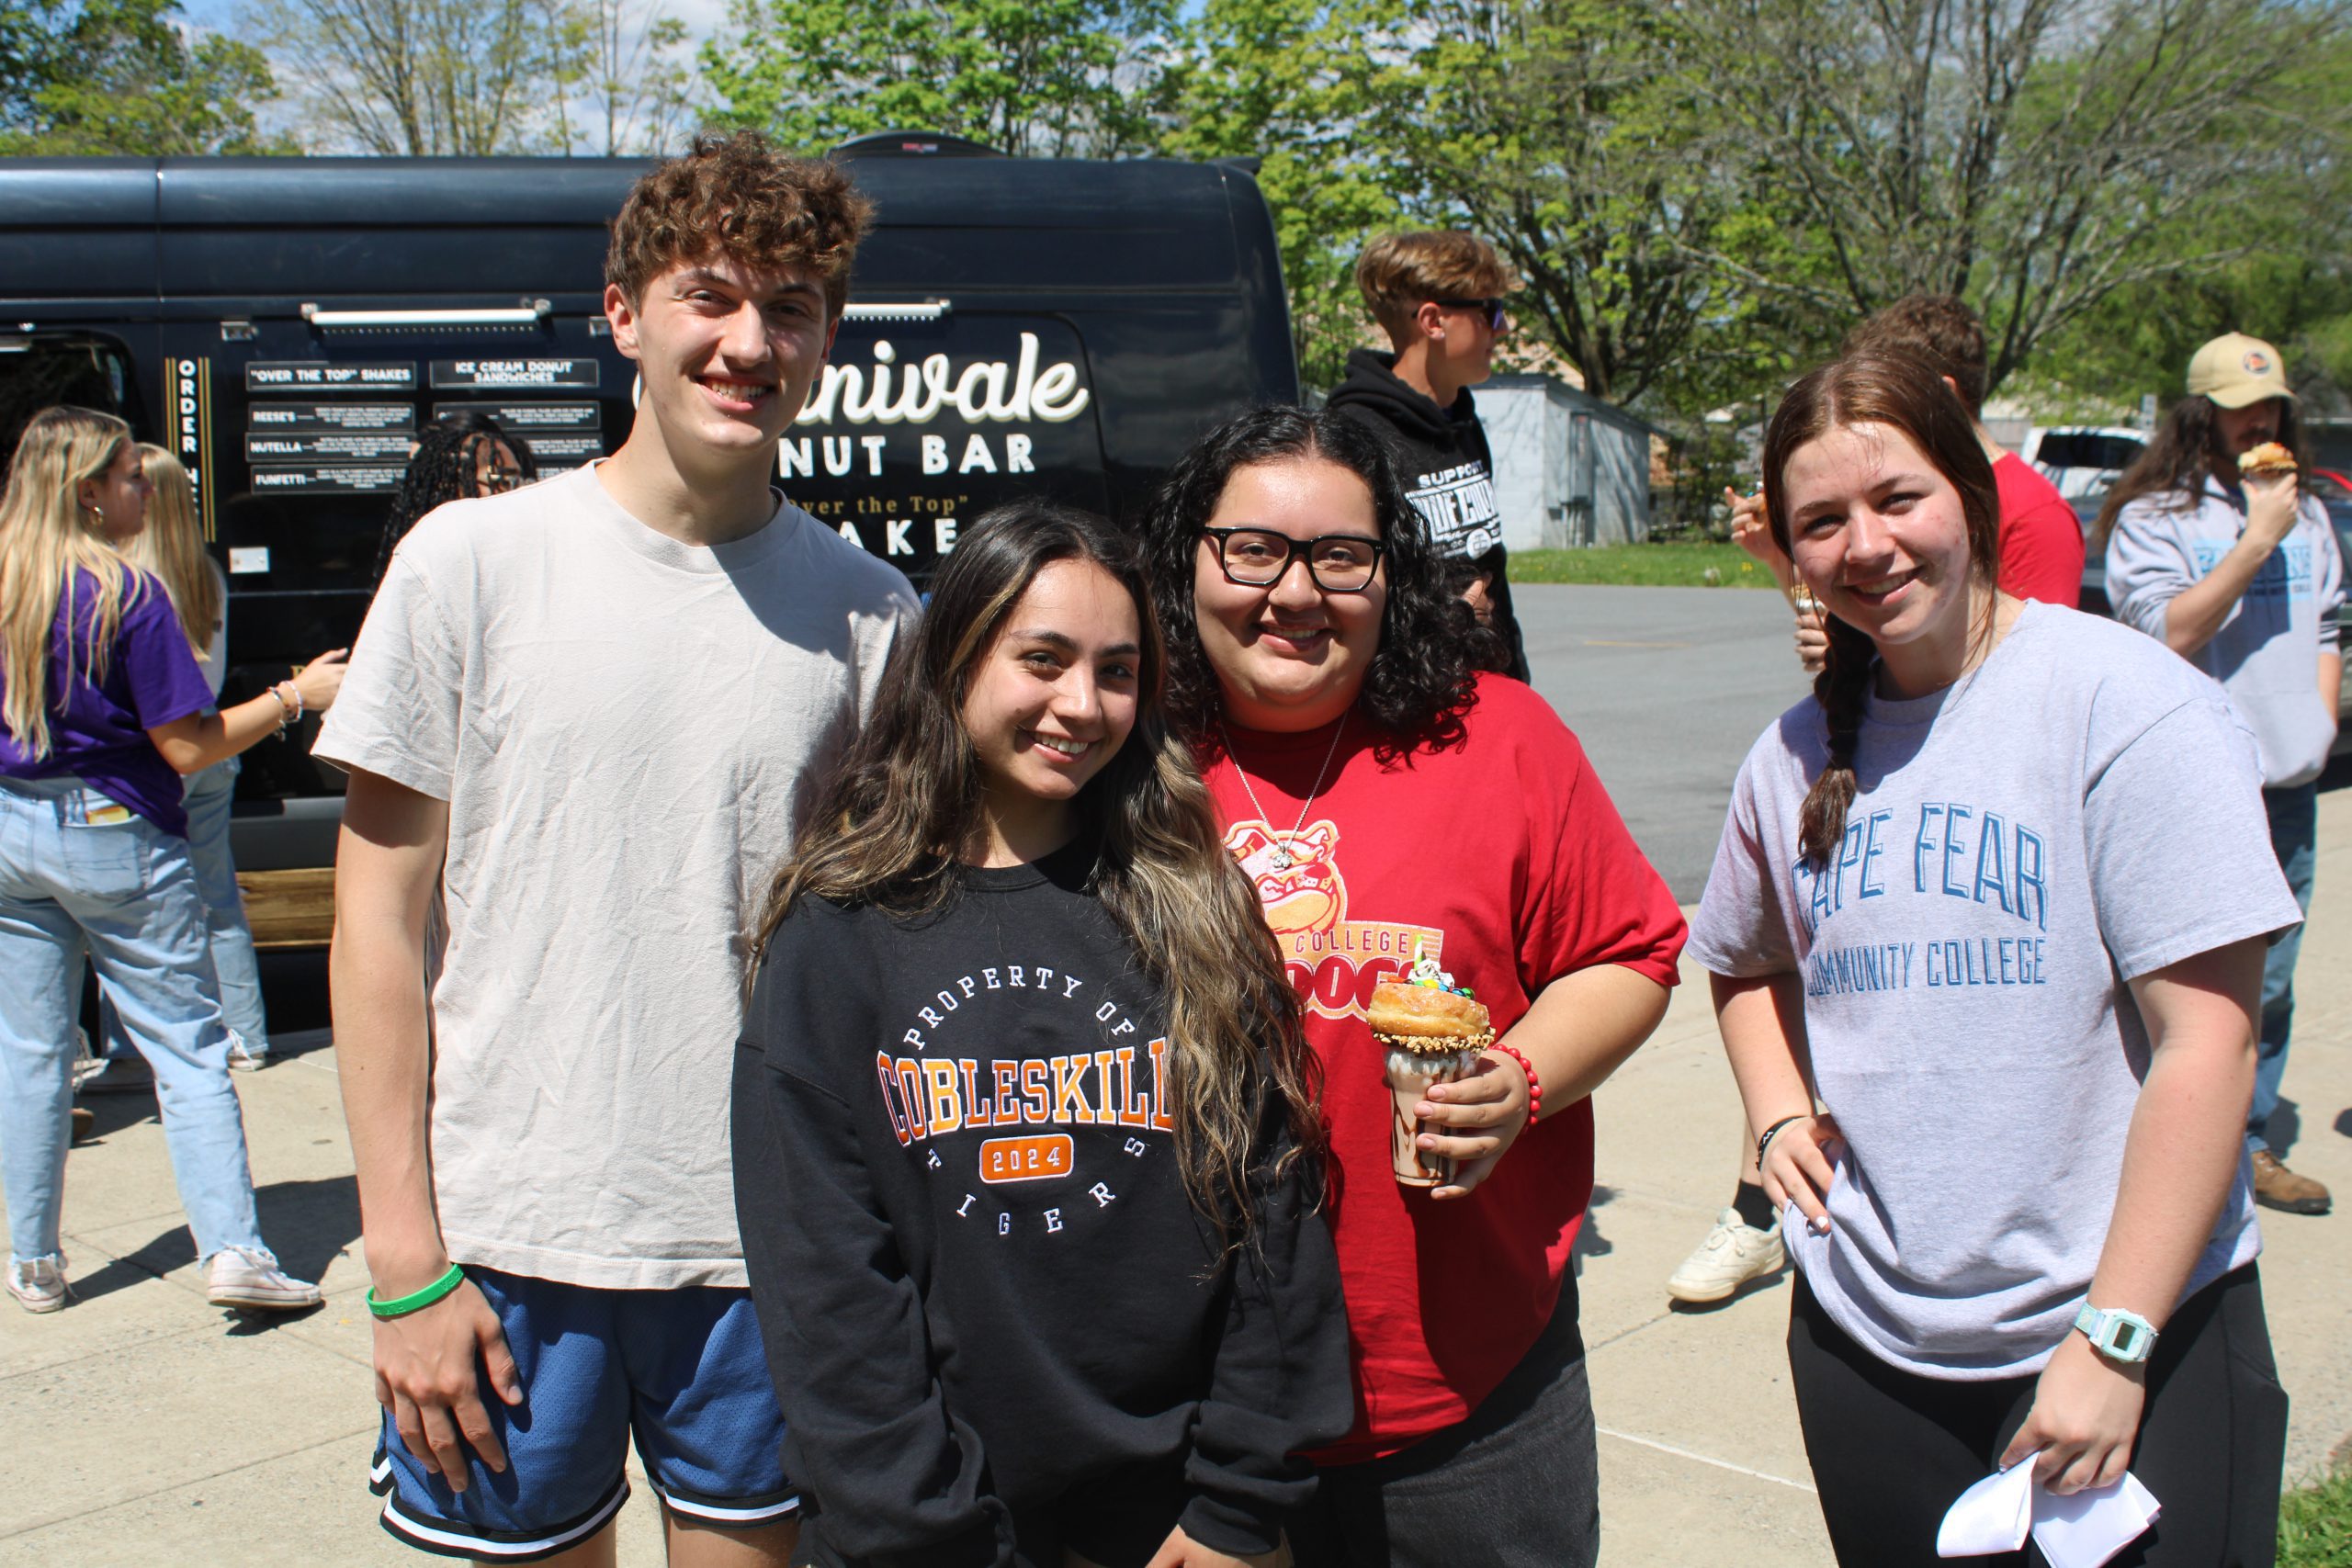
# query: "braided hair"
442,470
1903,394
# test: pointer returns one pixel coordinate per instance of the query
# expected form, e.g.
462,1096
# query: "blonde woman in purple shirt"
102,711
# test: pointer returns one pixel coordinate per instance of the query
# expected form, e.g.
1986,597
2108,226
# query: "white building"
1569,470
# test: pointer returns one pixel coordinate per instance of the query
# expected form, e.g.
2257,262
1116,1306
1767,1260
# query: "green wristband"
416,1300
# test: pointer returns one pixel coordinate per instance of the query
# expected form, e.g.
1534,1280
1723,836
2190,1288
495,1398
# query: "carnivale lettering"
983,392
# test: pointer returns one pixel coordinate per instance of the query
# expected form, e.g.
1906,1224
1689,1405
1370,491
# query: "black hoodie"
986,1295
1448,471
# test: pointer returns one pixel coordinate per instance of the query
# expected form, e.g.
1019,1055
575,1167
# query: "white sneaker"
39,1286
1733,1253
250,1276
117,1075
87,1062
244,1058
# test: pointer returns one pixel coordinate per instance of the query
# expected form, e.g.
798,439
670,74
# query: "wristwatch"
2120,1336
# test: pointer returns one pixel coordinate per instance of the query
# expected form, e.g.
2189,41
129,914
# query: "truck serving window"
37,370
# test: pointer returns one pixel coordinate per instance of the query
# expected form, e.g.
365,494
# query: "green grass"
2315,1525
1648,566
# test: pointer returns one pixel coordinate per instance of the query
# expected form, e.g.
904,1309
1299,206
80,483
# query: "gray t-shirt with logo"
2266,653
2082,810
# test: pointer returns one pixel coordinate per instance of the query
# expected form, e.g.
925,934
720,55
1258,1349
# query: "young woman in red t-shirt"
1385,799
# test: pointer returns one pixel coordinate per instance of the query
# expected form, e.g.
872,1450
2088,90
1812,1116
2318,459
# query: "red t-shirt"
2042,539
1506,858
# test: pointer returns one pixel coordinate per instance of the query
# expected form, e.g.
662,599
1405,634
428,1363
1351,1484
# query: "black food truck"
1016,326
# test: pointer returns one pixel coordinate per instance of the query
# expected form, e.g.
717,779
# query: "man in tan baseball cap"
2235,371
2238,572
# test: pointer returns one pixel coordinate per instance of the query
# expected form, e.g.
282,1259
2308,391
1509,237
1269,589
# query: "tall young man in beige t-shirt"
592,712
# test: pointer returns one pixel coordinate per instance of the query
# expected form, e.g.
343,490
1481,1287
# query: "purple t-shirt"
101,736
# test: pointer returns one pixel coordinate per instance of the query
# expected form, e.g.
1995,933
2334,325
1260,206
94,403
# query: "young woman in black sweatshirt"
1024,1145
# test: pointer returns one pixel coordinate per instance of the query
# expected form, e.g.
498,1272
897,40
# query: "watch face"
2131,1341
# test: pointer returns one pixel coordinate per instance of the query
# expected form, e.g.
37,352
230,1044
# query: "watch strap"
2120,1336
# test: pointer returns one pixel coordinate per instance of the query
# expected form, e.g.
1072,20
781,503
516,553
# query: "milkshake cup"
1430,1031
1411,1074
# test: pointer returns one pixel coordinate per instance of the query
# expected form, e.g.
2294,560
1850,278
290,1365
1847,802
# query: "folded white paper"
1991,1516
2082,1530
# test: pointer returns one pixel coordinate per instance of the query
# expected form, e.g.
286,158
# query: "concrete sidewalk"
145,1427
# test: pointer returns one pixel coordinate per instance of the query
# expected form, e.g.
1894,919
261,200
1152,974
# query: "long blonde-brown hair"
891,830
45,538
172,547
1903,393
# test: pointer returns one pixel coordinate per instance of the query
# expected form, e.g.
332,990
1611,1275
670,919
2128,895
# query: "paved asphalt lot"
146,1427
1667,688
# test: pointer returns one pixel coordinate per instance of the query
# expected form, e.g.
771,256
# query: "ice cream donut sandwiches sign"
915,428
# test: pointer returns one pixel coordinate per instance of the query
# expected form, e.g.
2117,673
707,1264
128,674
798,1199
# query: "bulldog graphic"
1307,896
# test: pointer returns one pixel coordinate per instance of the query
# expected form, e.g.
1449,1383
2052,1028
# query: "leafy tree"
2034,156
2289,229
1284,82
633,91
121,77
1566,132
415,77
1037,78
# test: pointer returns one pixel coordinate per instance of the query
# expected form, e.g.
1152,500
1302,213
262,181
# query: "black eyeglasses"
1257,557
1493,308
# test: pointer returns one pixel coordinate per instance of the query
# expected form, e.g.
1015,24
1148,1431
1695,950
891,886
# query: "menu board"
320,479
328,447
565,451
529,419
331,376
273,417
451,375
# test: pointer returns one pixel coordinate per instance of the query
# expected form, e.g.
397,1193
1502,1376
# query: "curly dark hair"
441,470
1421,680
738,197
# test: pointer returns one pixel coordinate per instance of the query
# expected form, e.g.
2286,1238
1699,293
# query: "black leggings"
1892,1450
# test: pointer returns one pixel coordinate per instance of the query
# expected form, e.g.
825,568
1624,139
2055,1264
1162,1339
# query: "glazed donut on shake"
1435,1030
1417,1015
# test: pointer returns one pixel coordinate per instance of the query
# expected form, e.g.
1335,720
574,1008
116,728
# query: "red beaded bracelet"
1534,1084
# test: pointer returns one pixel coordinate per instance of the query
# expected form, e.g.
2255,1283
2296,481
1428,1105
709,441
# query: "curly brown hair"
1935,328
738,197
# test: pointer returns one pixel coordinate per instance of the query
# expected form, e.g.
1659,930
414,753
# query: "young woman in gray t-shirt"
1985,928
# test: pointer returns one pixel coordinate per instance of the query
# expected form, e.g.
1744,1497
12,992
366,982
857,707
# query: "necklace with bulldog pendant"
1282,858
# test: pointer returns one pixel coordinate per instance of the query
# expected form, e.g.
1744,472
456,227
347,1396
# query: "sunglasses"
1491,308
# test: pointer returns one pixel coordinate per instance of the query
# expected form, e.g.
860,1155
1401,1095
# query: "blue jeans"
209,794
2294,836
124,893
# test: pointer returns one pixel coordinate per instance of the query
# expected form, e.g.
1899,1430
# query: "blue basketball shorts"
683,1371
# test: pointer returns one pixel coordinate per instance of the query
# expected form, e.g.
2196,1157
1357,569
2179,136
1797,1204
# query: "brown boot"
2275,1187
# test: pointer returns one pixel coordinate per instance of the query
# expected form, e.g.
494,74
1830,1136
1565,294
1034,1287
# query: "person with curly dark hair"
1388,803
455,458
